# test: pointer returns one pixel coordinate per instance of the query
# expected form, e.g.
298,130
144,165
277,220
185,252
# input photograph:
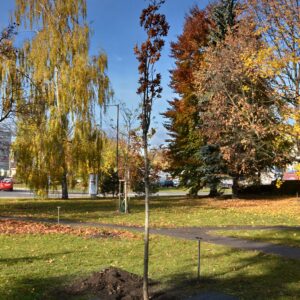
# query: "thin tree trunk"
146,234
213,191
235,186
127,170
64,187
64,182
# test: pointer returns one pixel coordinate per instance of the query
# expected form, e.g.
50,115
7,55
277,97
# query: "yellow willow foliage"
87,147
33,10
10,85
109,156
69,84
33,168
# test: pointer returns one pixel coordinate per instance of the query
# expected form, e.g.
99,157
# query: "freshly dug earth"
113,284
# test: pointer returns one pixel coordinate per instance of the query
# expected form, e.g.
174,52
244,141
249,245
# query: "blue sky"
115,27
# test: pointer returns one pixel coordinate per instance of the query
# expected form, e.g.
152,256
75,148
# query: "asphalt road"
26,194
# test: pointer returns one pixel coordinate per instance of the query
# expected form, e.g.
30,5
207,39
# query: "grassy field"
281,237
165,211
34,266
76,189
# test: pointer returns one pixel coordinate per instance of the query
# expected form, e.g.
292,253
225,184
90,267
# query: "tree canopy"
231,118
69,85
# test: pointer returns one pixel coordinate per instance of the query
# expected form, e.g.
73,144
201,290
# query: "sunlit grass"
165,211
33,266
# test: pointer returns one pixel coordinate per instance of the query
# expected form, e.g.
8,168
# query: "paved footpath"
191,233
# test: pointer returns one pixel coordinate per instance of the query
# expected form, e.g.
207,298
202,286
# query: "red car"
6,184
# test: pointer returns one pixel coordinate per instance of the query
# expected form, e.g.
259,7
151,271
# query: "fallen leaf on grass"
11,227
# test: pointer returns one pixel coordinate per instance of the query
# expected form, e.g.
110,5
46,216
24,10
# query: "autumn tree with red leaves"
228,118
156,28
196,162
183,115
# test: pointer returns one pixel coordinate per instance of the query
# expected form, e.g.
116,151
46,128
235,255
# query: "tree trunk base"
64,188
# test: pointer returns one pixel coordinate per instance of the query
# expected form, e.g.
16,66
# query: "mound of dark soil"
112,284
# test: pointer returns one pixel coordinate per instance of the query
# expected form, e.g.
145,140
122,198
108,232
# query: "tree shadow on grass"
42,288
257,276
30,259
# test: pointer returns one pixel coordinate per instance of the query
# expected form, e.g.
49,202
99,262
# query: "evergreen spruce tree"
192,158
224,18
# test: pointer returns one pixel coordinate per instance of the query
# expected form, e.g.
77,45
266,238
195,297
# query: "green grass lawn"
33,266
173,189
165,211
76,189
282,237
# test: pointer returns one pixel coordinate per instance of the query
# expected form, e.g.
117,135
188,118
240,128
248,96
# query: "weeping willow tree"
69,85
10,76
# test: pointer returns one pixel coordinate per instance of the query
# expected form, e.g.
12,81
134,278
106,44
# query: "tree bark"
64,187
235,186
213,191
146,234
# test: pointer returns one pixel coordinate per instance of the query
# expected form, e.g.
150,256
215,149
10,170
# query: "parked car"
168,183
176,182
6,184
226,183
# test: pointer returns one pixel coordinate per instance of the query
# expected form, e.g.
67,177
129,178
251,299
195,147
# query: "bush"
287,188
139,187
109,183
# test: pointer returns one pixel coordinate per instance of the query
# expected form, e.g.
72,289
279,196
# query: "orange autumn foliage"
10,227
241,112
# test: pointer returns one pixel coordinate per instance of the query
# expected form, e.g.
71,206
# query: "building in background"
5,143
